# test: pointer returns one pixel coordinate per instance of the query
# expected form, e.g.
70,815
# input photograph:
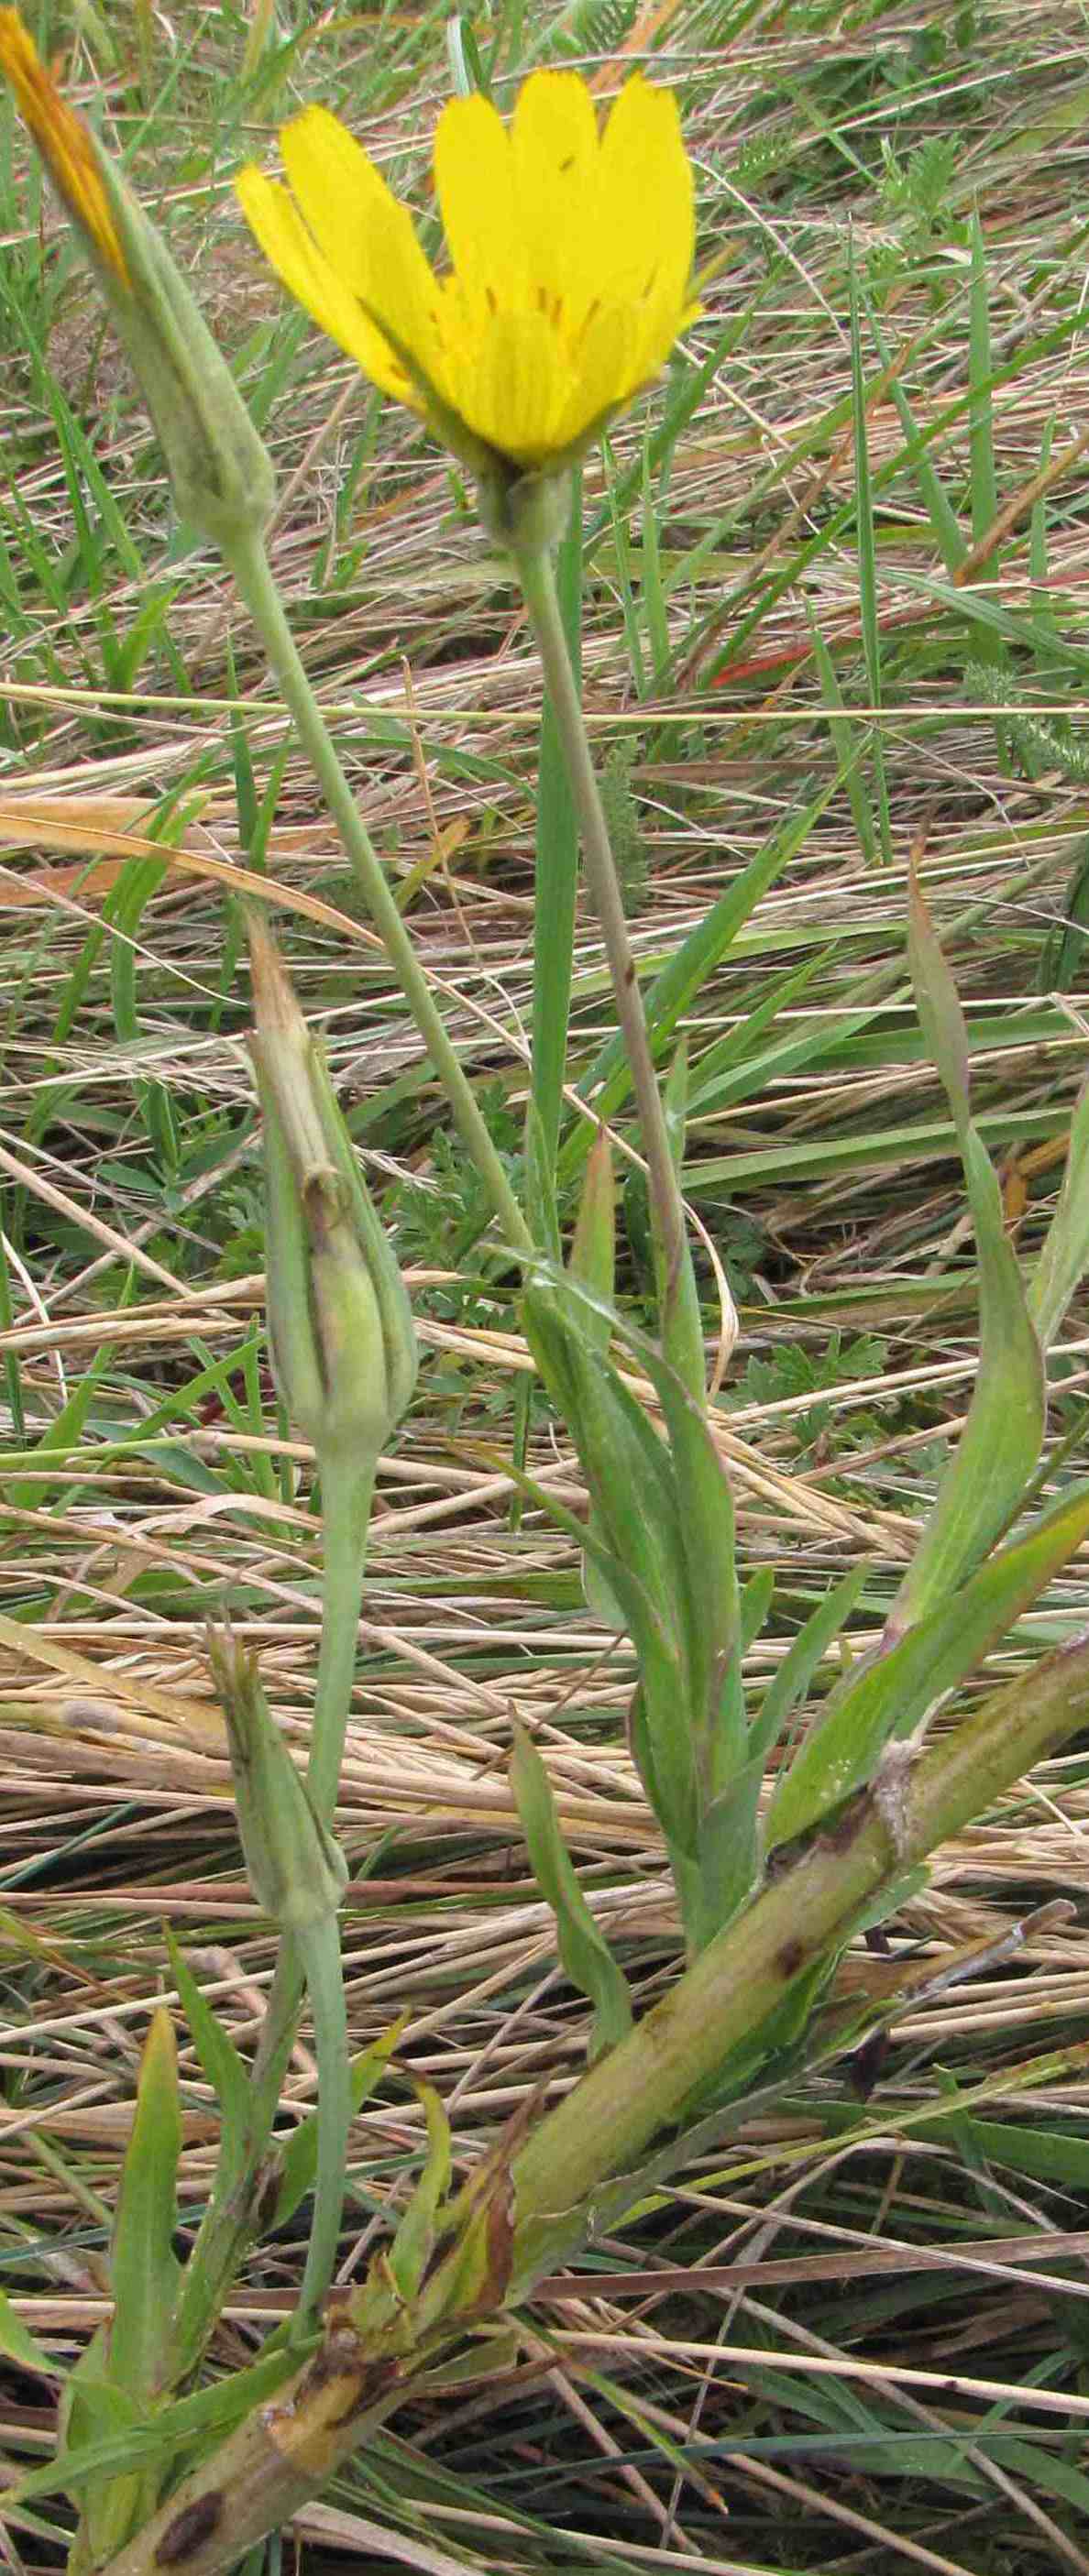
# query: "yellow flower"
66,143
571,259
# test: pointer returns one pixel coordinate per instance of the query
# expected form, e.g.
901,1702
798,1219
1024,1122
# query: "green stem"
346,1495
287,2451
227,2230
248,562
325,1987
535,572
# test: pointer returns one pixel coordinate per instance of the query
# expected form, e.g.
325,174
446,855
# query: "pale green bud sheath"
296,1870
219,469
220,473
298,1875
343,1343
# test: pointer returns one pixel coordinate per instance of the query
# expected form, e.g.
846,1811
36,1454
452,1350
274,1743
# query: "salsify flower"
219,472
571,259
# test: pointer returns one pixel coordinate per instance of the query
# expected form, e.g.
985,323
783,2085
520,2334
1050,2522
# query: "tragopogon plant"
571,257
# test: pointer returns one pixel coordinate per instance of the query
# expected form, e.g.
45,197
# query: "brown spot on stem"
371,2385
790,1957
193,2525
840,1834
338,2357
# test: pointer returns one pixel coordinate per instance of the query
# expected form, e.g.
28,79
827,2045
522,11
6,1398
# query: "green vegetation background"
851,527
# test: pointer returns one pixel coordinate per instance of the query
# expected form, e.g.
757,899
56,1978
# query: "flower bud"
219,468
297,1872
343,1344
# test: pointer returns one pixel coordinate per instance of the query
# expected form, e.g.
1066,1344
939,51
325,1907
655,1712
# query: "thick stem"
909,1808
287,2451
535,573
248,562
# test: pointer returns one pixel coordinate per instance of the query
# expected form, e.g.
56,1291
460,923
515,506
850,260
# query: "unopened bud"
219,468
297,1872
343,1343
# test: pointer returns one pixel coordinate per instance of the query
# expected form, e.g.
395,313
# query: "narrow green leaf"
63,1435
939,508
585,1954
867,565
984,478
890,1694
755,1605
651,584
592,1258
938,1004
608,1080
144,2270
679,1317
96,2417
19,2345
411,2249
807,1650
541,1186
730,1054
625,1463
987,1475
223,2068
625,577
1064,1254
846,743
728,1856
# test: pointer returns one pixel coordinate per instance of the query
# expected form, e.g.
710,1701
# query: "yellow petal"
606,357
510,385
276,223
656,324
365,236
555,153
647,224
65,142
475,188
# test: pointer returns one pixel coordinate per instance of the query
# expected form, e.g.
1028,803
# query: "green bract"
343,1343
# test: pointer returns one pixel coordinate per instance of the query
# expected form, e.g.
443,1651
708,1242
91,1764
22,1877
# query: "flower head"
65,141
571,256
219,472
